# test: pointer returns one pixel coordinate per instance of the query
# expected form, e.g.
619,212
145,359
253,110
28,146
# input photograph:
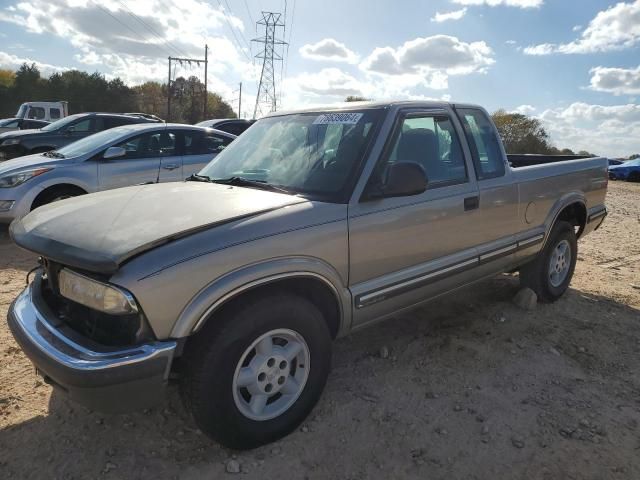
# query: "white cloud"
525,109
329,49
14,62
331,85
328,82
510,42
542,49
455,15
615,28
508,3
576,28
133,42
611,130
619,81
429,61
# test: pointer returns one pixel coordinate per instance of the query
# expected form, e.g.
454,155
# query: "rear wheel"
634,177
550,273
254,375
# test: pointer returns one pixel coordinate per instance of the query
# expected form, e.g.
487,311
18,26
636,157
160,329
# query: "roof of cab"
373,104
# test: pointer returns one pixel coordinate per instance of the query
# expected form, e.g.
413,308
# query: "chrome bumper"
101,378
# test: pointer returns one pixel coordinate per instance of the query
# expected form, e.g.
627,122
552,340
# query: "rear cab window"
483,143
36,113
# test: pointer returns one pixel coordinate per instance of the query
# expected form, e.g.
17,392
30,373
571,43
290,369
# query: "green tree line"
92,92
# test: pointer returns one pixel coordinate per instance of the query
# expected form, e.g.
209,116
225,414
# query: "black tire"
633,177
212,355
54,194
536,274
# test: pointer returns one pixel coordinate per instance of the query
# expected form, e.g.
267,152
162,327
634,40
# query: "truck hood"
100,232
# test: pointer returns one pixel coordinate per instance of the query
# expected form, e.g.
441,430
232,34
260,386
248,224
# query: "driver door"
403,249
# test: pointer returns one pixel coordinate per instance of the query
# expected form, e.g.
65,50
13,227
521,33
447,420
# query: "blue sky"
575,65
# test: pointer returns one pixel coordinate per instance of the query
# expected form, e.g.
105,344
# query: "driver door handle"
170,166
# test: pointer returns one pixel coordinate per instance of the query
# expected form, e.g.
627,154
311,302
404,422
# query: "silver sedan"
114,158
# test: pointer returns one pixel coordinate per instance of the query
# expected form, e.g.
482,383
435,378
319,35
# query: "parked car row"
629,170
75,160
63,132
235,126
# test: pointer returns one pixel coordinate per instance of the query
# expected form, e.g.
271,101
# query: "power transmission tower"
267,86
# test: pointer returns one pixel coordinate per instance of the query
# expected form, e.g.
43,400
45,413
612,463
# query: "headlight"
97,295
17,178
11,141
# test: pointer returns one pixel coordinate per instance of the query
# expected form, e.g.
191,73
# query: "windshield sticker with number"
338,118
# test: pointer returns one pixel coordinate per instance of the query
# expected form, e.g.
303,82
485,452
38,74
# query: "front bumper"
103,379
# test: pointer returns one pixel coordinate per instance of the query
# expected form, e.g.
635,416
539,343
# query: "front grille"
102,328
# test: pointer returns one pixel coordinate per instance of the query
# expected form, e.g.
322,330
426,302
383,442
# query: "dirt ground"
472,388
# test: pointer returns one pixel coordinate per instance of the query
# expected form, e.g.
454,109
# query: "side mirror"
114,152
404,179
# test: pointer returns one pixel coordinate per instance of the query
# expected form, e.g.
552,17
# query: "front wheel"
254,375
550,273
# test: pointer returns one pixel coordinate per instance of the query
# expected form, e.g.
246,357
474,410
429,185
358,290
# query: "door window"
430,141
54,113
201,143
82,126
483,142
153,144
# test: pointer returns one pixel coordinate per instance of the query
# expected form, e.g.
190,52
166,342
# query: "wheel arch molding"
321,282
571,207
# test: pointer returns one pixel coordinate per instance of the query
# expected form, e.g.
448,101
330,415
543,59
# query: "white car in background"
118,157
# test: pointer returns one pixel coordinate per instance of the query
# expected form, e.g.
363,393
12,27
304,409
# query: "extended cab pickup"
310,225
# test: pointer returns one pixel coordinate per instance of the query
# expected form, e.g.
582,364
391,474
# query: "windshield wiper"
245,182
53,154
198,178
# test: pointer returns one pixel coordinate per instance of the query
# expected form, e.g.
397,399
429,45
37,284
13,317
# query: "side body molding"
228,286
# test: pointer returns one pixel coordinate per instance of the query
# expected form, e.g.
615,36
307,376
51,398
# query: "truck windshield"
308,153
22,111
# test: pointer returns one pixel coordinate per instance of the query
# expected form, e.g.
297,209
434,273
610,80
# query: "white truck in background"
48,111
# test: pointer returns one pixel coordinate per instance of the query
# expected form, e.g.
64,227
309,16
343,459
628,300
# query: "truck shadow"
420,369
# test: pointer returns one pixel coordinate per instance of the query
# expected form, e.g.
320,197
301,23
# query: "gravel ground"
468,387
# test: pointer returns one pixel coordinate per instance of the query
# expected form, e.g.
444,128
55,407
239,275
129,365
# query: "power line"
286,62
249,12
131,29
233,31
284,35
131,13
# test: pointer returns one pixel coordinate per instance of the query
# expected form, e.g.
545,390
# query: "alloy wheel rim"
271,374
559,263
